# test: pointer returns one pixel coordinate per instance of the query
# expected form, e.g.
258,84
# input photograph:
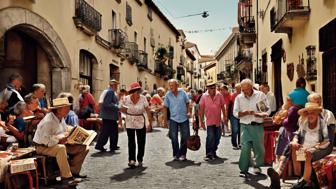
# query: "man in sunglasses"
212,105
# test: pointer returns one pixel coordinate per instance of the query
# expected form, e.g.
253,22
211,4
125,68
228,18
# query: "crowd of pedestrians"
238,112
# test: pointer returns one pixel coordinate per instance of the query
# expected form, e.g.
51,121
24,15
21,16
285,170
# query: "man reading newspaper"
51,139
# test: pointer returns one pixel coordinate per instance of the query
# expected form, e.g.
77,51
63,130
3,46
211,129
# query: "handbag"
194,141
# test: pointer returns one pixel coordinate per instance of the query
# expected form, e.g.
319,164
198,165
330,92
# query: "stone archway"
40,29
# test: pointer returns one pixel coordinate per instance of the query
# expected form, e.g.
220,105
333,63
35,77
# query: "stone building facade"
65,43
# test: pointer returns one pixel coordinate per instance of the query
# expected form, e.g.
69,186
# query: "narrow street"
106,170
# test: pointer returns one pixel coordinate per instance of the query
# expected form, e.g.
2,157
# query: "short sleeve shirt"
213,108
177,105
135,112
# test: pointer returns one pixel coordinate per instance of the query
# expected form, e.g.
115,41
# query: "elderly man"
265,88
12,91
50,139
178,103
109,112
250,107
213,104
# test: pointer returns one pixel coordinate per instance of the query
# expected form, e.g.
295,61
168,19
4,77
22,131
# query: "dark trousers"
235,127
212,139
141,139
109,130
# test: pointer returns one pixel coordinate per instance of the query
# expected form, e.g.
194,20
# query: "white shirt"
49,129
135,112
311,136
271,101
243,103
102,96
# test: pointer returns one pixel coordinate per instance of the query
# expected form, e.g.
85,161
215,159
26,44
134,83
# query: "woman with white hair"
87,104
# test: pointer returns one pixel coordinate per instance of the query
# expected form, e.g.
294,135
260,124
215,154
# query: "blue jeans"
235,131
179,150
212,139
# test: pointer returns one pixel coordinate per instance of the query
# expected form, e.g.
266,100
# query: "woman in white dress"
134,106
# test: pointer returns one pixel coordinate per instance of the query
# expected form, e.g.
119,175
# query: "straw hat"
60,102
310,107
113,81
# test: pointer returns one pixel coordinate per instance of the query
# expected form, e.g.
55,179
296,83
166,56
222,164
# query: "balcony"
247,31
243,61
160,67
118,38
142,64
87,18
289,14
131,52
169,74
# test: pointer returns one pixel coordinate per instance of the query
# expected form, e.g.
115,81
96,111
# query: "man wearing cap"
251,118
109,112
177,102
50,139
212,104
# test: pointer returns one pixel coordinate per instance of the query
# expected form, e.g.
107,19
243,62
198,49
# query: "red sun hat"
134,86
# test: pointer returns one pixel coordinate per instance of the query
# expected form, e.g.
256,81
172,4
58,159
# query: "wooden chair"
47,168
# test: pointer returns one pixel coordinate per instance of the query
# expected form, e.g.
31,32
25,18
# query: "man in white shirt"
50,139
250,107
270,98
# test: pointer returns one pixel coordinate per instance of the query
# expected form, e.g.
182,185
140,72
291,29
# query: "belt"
42,145
255,123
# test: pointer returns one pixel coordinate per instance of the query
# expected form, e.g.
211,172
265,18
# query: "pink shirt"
212,108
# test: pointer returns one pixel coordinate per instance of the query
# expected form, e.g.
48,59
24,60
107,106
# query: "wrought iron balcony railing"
289,14
118,38
247,24
87,18
143,60
131,52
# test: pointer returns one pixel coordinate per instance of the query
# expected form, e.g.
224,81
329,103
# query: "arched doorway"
30,46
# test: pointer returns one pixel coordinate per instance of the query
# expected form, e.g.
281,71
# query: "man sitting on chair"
51,137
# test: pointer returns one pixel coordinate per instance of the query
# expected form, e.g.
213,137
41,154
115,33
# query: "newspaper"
79,135
300,155
261,106
21,165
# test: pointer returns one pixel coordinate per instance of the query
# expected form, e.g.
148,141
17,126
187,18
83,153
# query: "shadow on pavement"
104,154
217,161
181,164
252,180
129,173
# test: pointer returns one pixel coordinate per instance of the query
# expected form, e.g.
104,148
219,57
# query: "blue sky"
222,14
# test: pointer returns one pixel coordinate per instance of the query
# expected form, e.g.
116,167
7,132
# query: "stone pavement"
107,170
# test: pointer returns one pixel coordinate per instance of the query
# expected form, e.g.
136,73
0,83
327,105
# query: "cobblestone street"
106,170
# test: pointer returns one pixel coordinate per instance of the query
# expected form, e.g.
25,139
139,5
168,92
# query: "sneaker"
183,158
100,149
140,164
215,156
235,148
275,178
243,174
175,158
131,164
208,158
257,170
302,184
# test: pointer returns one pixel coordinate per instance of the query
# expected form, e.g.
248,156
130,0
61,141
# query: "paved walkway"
106,170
